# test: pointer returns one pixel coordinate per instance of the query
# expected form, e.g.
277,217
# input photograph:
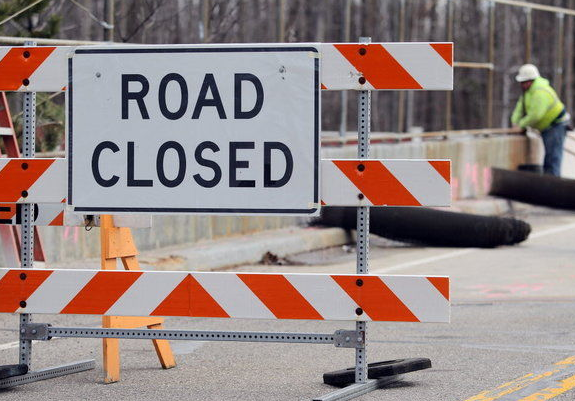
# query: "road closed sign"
216,129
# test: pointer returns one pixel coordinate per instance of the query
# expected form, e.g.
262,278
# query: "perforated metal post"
363,127
27,227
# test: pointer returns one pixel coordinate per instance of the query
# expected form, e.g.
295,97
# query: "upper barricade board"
345,66
176,129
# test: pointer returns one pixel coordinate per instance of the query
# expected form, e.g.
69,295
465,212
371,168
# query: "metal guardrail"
9,40
535,6
333,138
473,65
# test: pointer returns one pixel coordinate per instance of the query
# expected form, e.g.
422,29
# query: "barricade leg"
118,243
111,357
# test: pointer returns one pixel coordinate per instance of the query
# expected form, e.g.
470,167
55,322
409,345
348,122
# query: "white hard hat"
527,72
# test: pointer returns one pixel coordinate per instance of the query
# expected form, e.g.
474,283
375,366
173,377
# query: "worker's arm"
518,112
536,108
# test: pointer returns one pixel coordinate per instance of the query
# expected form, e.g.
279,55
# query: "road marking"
553,230
544,385
552,392
454,254
424,261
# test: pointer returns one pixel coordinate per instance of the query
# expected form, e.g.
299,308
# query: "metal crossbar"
48,373
44,332
83,332
357,389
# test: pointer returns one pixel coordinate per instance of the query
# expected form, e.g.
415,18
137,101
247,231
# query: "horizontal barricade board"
226,295
43,214
55,214
386,182
343,183
344,66
33,180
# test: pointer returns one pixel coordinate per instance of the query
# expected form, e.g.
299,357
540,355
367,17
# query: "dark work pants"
553,139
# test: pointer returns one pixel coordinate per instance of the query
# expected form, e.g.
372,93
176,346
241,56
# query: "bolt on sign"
227,129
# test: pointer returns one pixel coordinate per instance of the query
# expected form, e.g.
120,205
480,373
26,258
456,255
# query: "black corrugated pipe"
432,227
537,189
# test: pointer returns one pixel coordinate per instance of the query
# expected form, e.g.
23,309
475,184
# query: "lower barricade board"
226,295
55,214
343,183
43,214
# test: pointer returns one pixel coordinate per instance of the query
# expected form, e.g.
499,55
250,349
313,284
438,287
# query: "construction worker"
539,107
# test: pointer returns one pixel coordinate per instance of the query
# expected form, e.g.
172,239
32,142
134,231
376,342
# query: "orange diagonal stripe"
377,183
443,168
101,292
58,220
13,289
189,298
8,214
378,67
14,179
376,299
445,50
280,297
14,67
441,284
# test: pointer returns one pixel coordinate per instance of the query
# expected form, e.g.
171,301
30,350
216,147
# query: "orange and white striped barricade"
385,182
344,182
33,180
27,181
332,297
43,182
362,183
10,236
55,214
345,66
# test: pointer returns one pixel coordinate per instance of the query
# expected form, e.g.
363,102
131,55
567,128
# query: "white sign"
225,129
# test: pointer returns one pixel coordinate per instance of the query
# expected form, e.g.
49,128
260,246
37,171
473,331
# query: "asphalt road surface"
512,335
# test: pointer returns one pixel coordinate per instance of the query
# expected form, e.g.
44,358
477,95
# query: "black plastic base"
7,371
376,370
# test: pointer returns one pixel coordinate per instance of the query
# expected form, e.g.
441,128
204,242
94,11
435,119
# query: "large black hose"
544,190
432,227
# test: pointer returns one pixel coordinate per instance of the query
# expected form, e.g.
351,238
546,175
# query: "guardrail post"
27,227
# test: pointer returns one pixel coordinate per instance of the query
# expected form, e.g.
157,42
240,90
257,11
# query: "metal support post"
27,228
362,384
27,262
363,127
